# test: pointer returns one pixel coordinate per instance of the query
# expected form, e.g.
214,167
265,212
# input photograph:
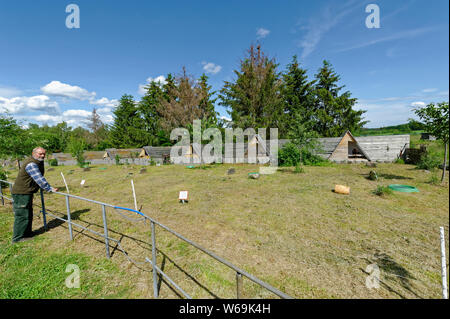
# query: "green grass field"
289,230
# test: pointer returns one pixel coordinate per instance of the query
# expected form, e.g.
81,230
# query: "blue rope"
131,210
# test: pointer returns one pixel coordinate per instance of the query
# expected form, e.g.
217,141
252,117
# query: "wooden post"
443,265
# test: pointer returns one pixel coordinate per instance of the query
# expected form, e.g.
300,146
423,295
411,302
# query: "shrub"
382,191
76,148
117,159
373,176
428,161
299,169
289,155
53,162
434,180
311,159
4,177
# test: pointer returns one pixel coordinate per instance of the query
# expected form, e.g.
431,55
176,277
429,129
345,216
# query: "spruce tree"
332,113
209,114
297,95
128,128
254,99
148,110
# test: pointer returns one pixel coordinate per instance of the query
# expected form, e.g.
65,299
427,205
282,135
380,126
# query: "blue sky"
50,73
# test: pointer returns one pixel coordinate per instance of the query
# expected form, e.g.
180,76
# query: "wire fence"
240,273
153,262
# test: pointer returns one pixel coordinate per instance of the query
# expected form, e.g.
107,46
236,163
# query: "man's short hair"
38,148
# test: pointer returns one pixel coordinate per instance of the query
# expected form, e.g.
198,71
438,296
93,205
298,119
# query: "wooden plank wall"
341,151
383,148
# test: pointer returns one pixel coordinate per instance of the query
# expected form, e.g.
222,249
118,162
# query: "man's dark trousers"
23,213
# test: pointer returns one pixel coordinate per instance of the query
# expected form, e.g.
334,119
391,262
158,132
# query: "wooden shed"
427,137
93,155
159,154
385,148
194,153
62,157
259,147
110,153
348,148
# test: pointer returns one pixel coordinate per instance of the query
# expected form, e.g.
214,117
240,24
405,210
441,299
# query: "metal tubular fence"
153,262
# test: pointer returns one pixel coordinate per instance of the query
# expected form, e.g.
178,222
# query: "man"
28,182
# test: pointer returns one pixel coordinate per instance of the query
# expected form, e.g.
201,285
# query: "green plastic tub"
403,188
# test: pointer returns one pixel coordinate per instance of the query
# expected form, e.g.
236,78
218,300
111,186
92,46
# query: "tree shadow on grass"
391,176
392,273
385,176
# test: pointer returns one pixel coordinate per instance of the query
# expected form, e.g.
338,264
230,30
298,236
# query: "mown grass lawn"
290,230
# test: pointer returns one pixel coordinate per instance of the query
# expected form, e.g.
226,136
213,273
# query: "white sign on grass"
183,195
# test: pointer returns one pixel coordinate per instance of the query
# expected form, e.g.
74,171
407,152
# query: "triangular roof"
89,155
122,152
260,141
157,151
354,140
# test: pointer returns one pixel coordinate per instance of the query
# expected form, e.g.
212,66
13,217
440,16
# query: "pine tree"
209,114
254,99
148,110
297,95
128,128
332,114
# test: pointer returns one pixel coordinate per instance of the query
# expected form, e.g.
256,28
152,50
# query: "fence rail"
153,262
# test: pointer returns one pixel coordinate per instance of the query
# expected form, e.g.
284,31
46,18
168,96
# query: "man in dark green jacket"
28,182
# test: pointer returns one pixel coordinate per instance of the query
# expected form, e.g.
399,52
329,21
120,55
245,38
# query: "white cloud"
77,113
262,33
105,115
418,104
76,117
104,102
210,67
429,90
161,80
72,117
385,111
6,91
48,119
26,103
319,26
104,110
380,115
56,88
396,36
107,119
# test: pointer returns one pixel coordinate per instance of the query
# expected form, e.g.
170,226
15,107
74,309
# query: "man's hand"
54,190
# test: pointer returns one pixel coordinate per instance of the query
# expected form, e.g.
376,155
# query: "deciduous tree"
436,120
